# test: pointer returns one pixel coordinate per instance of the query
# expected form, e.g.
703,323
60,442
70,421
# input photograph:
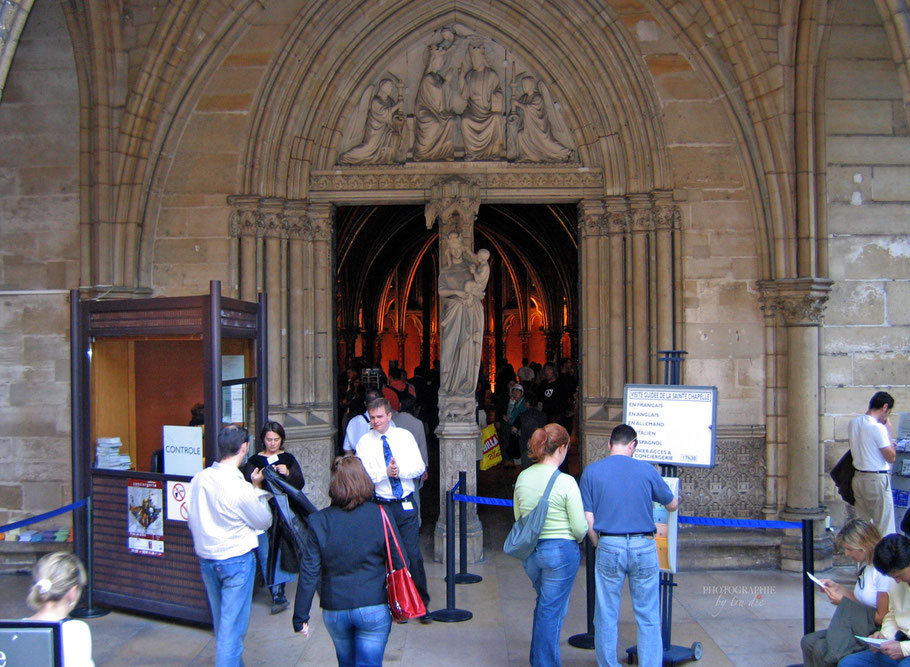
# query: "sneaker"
279,605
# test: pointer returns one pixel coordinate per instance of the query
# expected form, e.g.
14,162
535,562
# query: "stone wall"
866,337
39,262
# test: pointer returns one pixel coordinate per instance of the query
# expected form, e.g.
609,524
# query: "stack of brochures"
107,455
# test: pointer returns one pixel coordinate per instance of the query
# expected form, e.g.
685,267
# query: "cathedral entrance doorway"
387,270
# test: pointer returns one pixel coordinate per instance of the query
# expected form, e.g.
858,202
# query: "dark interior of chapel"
386,256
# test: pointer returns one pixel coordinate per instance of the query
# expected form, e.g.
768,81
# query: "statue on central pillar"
463,276
462,280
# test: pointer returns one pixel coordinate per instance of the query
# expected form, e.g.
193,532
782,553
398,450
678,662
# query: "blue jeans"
359,635
552,568
262,555
617,558
229,585
870,659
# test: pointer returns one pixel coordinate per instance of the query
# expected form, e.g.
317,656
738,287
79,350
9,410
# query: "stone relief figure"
531,124
383,127
435,131
462,281
482,120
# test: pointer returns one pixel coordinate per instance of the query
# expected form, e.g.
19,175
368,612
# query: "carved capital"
322,219
242,220
297,221
452,199
667,217
592,220
797,301
619,222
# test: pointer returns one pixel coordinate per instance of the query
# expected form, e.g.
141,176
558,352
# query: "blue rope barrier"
501,502
738,523
42,517
692,520
457,484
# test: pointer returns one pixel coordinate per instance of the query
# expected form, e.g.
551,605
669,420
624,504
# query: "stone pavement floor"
741,617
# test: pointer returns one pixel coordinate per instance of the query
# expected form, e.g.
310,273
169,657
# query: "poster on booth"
145,523
666,523
491,451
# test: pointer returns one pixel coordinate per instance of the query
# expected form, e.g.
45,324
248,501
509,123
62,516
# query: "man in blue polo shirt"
617,494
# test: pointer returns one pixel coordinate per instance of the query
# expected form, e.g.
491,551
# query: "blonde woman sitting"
59,579
860,610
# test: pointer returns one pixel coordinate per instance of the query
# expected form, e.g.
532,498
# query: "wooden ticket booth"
140,370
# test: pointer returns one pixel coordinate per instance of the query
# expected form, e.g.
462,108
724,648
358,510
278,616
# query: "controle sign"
675,423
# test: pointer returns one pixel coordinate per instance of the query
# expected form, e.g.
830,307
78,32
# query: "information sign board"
675,423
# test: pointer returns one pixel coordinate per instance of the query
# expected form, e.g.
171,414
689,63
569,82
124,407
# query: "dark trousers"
409,529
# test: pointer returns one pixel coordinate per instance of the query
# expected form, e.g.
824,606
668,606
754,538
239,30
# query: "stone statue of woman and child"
462,281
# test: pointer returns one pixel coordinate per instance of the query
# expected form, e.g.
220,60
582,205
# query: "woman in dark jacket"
277,559
346,546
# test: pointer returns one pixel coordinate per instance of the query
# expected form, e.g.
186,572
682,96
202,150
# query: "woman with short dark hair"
276,547
346,552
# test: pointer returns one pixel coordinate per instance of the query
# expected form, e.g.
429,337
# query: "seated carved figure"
382,132
530,131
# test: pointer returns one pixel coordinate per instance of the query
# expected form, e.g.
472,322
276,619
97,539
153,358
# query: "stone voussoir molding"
797,301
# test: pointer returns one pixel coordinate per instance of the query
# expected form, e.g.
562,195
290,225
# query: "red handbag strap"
387,528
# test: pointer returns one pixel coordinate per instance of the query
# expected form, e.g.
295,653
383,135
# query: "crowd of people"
342,551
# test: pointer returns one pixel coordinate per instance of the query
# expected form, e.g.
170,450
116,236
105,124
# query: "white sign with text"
675,423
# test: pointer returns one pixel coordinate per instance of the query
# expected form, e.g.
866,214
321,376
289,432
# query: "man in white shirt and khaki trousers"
225,511
873,453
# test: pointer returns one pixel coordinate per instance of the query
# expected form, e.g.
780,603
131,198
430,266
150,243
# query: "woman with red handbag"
346,551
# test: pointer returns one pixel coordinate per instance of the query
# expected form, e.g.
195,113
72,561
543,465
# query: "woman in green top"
553,564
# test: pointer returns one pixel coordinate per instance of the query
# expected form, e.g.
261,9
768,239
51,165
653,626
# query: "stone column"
618,220
454,203
525,337
273,230
666,219
639,269
297,244
243,226
595,355
298,229
799,304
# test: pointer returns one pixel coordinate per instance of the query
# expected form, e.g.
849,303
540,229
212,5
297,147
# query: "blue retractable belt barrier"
42,517
692,520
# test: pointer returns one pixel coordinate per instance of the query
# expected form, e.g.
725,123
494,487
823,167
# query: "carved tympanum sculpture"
482,120
530,129
435,121
382,130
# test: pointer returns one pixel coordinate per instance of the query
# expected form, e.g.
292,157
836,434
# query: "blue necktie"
394,481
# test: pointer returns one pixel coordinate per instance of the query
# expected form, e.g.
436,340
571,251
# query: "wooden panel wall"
169,585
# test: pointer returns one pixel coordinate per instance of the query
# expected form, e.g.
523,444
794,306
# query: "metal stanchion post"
586,639
89,610
464,577
450,614
808,566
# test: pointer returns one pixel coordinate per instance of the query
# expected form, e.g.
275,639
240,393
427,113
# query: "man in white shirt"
359,425
873,453
225,511
392,460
